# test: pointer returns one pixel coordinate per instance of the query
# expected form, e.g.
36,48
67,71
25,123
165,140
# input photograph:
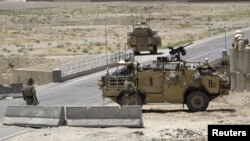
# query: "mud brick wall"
240,69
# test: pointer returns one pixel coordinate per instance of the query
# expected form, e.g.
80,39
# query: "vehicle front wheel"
197,101
136,52
131,99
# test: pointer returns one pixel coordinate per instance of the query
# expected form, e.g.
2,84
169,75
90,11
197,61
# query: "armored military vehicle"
170,79
143,38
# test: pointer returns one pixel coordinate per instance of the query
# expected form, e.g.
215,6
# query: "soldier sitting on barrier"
240,42
29,93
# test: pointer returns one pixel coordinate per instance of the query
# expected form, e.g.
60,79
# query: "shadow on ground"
184,110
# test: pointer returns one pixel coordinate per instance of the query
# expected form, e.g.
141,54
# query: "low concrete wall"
90,71
104,116
12,88
240,69
40,77
216,62
34,116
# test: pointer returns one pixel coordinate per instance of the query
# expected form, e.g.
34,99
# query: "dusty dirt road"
161,122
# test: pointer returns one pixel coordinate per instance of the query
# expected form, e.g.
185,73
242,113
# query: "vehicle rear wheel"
133,99
154,51
197,101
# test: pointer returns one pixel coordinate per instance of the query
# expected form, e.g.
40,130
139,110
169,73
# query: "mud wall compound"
240,69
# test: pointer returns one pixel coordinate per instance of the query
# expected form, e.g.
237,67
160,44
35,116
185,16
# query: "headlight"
99,82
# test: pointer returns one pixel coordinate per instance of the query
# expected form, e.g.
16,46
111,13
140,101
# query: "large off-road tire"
154,51
130,33
136,53
132,99
197,101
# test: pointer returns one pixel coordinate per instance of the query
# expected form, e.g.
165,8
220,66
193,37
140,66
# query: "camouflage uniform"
29,93
239,41
129,85
242,42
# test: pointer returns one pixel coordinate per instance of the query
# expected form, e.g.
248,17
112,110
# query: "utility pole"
106,41
208,22
125,54
224,51
225,29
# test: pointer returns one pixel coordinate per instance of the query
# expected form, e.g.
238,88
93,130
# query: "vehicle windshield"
123,70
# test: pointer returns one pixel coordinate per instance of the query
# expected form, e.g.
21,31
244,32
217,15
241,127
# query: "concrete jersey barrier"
240,69
104,116
34,116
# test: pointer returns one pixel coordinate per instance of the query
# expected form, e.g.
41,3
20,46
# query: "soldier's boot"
29,101
35,102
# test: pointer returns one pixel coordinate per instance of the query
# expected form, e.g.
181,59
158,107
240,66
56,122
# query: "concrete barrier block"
4,89
245,67
34,116
104,116
233,81
22,75
233,60
16,87
241,81
248,82
240,60
57,75
238,81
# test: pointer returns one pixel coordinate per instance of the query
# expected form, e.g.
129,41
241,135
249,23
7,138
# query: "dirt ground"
45,34
161,122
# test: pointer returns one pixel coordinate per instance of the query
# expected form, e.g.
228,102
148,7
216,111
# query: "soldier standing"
29,93
239,41
129,86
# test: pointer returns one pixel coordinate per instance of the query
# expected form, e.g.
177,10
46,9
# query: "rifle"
35,101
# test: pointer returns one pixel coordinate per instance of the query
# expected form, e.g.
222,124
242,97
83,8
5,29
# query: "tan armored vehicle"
143,38
170,80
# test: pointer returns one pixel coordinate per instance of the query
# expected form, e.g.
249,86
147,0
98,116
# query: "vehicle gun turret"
177,52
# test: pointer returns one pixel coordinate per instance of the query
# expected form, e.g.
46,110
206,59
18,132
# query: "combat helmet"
30,81
238,33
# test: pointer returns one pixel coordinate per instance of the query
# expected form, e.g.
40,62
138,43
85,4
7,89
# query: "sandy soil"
47,34
43,34
161,122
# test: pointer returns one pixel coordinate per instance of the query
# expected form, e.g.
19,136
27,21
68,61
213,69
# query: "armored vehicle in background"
170,80
143,38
